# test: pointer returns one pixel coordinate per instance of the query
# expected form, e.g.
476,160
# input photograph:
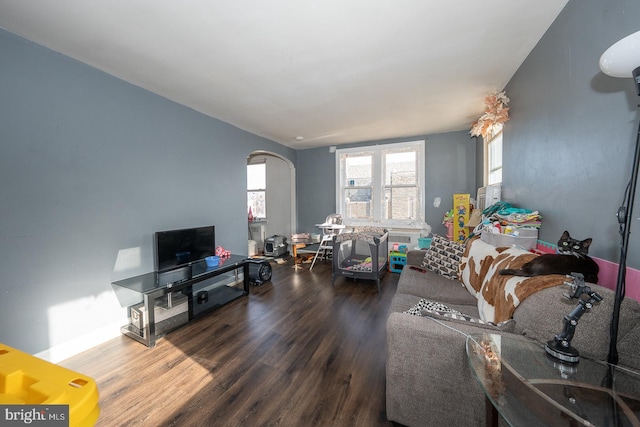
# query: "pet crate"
276,246
361,254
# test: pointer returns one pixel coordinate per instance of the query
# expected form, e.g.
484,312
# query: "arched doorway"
280,193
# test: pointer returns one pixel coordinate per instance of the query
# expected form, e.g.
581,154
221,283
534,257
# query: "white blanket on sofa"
498,295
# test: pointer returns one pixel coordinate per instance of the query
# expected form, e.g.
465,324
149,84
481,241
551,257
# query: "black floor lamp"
623,60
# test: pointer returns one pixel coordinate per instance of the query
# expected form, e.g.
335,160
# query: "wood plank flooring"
296,352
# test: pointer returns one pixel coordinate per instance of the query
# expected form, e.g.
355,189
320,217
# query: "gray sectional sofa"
429,381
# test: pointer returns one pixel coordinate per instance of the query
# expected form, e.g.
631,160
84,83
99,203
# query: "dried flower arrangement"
496,113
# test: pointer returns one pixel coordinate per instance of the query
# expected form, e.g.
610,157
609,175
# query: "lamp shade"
623,57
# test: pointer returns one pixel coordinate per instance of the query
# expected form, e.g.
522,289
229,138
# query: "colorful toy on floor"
397,261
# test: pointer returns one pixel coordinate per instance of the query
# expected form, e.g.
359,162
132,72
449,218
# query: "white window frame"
378,185
258,190
488,159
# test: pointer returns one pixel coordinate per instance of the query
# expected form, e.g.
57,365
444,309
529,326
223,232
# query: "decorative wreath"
496,113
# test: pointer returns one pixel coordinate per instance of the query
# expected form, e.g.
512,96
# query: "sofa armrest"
415,256
426,366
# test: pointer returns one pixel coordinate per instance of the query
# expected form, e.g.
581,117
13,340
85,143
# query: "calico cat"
571,258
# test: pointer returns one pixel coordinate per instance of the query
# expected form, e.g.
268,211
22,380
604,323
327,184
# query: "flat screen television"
178,248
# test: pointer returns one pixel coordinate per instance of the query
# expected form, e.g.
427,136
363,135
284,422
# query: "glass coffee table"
527,387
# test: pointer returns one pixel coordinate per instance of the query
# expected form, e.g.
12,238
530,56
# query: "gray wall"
450,168
90,167
278,197
568,147
315,187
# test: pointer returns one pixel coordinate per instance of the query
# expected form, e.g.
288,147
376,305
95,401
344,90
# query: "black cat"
571,258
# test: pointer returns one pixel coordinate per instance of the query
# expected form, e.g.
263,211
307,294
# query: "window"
493,159
257,189
381,185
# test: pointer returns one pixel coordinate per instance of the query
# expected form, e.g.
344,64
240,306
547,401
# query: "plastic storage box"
397,261
28,380
424,242
527,239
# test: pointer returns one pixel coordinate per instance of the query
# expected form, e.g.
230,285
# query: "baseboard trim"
76,346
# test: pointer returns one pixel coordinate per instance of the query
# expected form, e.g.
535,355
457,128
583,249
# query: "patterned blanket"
498,295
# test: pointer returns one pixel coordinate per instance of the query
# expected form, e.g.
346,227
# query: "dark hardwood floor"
296,352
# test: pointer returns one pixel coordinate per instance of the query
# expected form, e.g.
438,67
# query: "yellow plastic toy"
28,380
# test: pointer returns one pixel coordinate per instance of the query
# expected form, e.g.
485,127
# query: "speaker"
259,272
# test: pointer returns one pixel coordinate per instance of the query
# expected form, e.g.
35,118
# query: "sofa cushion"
427,373
435,287
475,263
415,256
628,347
500,295
443,256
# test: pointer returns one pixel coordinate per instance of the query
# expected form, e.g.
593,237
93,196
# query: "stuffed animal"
222,252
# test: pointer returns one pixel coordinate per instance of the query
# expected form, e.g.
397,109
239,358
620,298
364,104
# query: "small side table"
295,245
527,387
300,241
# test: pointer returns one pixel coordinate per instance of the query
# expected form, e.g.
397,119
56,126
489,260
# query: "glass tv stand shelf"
142,294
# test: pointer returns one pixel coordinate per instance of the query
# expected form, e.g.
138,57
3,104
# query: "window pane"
400,168
256,201
400,203
495,153
495,176
257,176
358,170
358,203
381,185
495,160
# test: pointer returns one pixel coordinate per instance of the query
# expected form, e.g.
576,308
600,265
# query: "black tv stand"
142,294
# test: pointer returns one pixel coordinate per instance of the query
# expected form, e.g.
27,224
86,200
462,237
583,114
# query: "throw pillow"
437,310
425,304
443,257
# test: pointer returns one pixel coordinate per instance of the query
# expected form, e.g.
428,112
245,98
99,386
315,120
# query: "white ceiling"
331,71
